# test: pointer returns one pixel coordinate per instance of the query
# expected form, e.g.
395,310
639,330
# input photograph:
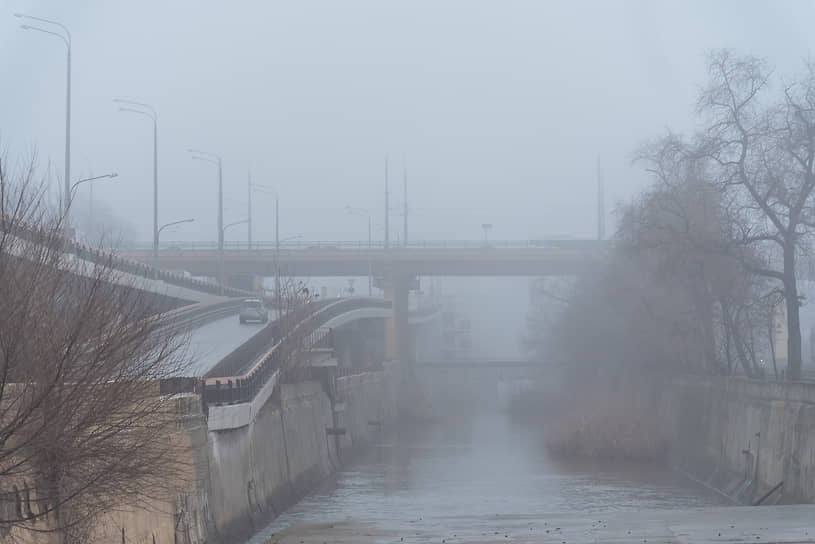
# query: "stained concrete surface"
741,524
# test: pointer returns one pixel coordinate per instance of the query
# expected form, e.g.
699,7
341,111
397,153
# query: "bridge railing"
100,257
244,387
136,268
327,245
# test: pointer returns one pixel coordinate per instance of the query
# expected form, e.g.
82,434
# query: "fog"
498,110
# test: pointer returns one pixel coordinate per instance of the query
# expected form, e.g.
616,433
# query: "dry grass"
609,426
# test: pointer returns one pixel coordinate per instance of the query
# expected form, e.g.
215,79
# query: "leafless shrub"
83,429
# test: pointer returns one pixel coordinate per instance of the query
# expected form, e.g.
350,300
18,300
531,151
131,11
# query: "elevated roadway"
312,259
212,342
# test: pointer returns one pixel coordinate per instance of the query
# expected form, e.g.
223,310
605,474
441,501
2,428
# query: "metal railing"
136,268
100,257
198,314
244,387
328,245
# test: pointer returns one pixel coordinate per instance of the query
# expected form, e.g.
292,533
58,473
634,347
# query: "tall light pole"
77,183
249,212
278,296
487,227
171,223
263,189
387,207
67,39
405,242
148,110
216,160
601,203
360,211
241,222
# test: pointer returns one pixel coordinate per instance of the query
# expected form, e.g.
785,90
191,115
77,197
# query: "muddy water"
466,476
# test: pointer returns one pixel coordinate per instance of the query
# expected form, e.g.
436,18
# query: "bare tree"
762,151
83,428
297,305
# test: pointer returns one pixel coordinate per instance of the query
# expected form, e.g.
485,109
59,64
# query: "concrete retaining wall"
260,469
366,405
744,437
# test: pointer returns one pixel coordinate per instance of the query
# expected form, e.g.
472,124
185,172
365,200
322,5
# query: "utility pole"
406,209
148,111
601,205
370,266
277,253
387,206
249,211
66,38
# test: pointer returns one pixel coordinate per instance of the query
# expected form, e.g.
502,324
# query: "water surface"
468,473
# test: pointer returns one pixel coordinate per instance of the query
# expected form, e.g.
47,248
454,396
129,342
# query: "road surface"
214,341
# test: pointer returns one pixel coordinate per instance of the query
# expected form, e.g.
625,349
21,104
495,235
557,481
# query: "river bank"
463,476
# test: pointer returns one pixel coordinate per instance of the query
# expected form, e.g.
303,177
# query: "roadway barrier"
33,233
243,388
199,314
136,268
235,363
327,245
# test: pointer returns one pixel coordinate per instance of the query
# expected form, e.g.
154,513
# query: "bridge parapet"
245,387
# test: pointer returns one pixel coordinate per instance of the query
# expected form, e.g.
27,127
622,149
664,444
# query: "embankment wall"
743,437
296,441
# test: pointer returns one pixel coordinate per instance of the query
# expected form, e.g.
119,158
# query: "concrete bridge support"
397,333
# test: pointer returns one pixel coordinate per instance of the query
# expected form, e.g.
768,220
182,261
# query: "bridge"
259,441
396,267
422,258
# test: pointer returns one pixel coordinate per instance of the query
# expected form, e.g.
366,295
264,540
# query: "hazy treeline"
710,252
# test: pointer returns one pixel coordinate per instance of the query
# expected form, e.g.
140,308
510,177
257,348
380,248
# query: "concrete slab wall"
744,437
367,403
259,469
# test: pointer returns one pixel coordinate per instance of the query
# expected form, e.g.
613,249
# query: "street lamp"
241,222
277,267
262,189
71,190
148,110
215,159
67,39
363,212
158,233
486,227
94,178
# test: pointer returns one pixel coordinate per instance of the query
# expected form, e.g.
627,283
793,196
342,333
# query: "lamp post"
277,266
263,189
363,212
486,227
148,110
170,224
73,187
241,222
216,160
66,37
94,178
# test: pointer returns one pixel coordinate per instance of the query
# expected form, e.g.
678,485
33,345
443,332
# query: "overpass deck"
210,343
335,259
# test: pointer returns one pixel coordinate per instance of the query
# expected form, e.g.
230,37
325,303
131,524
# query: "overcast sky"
498,109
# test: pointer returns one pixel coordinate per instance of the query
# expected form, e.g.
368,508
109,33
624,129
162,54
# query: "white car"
253,309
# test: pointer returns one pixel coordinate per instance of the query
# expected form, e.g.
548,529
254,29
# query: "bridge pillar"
247,282
397,331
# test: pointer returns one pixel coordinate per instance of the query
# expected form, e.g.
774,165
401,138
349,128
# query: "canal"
484,478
